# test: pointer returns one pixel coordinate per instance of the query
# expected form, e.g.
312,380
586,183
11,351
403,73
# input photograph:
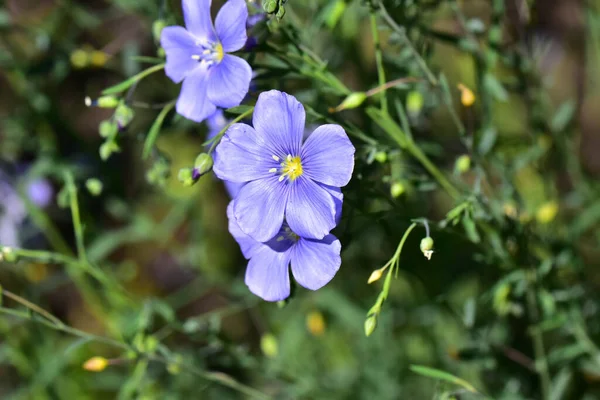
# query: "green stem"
215,141
379,61
417,153
541,362
76,216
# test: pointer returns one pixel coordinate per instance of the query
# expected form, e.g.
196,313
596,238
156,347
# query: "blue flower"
197,55
285,177
216,123
314,261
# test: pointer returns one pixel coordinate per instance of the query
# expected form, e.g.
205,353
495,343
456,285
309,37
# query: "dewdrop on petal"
427,247
95,364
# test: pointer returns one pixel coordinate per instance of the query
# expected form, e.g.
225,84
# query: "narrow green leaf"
155,129
441,375
495,88
563,116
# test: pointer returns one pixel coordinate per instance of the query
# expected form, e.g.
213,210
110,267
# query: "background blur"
508,302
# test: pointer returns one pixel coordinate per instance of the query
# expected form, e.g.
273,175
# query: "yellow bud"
98,58
95,364
414,102
467,98
375,275
352,101
547,212
269,345
79,58
463,164
315,323
397,189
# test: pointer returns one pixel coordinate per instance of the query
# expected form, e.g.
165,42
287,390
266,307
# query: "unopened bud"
381,156
315,323
270,6
352,101
370,325
547,212
414,103
79,58
280,13
427,247
463,164
467,98
203,164
102,102
187,177
98,58
375,275
107,129
123,115
8,255
157,27
95,364
94,186
269,345
107,149
397,189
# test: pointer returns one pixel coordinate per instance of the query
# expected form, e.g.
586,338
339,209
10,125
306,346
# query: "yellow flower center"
219,53
291,167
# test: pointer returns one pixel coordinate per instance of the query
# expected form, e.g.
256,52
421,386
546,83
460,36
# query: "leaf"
155,130
487,140
470,229
444,376
563,116
495,88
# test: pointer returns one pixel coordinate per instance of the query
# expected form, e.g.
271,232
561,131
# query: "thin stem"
390,84
76,216
379,61
417,153
217,138
32,307
541,362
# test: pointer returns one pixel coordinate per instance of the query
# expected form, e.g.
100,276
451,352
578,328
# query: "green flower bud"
269,345
397,189
335,13
123,115
381,156
280,13
370,325
462,164
102,102
8,255
186,176
94,186
352,101
270,6
427,247
157,27
107,148
107,129
414,102
203,164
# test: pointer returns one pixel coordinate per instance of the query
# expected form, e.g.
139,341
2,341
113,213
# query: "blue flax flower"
314,261
285,177
197,55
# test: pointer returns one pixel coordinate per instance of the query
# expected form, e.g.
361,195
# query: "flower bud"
102,102
370,325
98,58
315,323
352,101
467,98
414,103
124,115
547,212
269,345
95,364
8,255
107,148
381,156
107,129
375,275
79,58
270,6
462,164
94,186
427,247
157,27
280,13
203,164
397,189
187,177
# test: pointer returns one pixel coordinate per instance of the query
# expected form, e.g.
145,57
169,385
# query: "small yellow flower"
95,364
547,212
467,98
315,323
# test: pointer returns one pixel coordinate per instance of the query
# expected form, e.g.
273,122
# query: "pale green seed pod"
370,325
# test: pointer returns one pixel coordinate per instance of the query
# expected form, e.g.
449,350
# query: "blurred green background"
508,302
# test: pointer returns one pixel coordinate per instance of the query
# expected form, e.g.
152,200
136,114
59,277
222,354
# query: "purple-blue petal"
193,103
231,25
240,156
315,262
310,209
179,47
247,244
196,14
215,123
338,199
229,81
40,192
259,207
232,188
267,275
279,117
328,156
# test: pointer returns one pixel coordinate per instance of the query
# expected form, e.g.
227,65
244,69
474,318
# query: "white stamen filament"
275,158
273,170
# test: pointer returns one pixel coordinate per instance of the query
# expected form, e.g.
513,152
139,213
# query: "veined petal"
179,47
338,198
229,81
267,275
280,118
247,244
232,188
193,102
240,156
259,207
196,14
310,209
231,25
328,156
315,262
